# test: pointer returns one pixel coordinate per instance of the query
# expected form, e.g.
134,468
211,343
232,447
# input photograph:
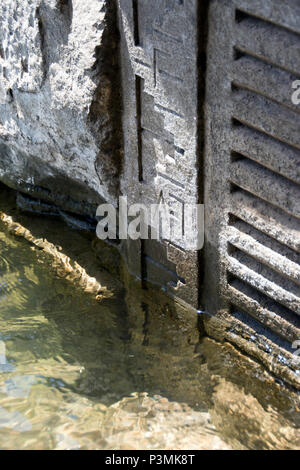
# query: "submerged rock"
242,419
144,422
61,264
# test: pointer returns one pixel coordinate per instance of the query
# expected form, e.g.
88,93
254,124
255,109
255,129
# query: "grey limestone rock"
59,134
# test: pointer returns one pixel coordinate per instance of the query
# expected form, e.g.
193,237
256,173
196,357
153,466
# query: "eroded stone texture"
59,133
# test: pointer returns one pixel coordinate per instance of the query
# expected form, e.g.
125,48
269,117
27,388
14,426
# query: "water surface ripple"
77,374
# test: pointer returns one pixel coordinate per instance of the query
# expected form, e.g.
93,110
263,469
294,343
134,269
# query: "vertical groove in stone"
135,7
202,33
138,91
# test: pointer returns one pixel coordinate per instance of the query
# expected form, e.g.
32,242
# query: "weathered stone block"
59,108
159,52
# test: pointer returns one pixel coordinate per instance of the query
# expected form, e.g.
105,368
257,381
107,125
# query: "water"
123,373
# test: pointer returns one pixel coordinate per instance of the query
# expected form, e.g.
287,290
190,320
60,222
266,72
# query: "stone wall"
60,134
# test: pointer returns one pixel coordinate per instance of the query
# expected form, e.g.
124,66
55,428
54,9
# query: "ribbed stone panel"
252,197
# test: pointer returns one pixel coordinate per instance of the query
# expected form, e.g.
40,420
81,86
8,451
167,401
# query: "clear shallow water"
121,374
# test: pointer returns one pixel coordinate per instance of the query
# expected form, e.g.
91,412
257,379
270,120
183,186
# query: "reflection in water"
121,374
14,420
18,386
2,353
